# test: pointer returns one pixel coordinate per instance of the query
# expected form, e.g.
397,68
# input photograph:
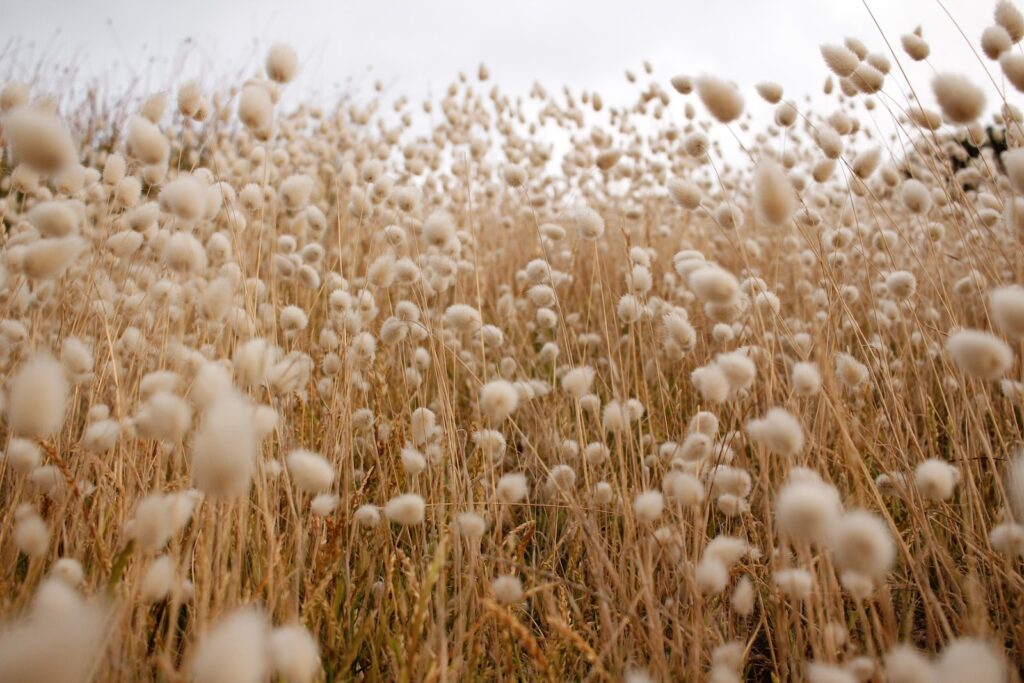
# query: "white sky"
415,45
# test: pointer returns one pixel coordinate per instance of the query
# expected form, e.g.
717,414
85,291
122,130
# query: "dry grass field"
518,386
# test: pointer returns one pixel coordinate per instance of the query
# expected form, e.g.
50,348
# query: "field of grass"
518,386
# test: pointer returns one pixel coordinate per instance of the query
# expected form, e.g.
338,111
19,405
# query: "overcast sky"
418,47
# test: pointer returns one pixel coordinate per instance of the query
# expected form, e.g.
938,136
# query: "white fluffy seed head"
24,455
648,506
684,192
256,108
1007,305
146,142
367,516
294,654
234,650
711,383
714,284
995,41
905,664
682,84
743,596
471,526
514,175
507,589
282,63
806,511
862,543
936,479
901,284
310,471
54,218
722,98
158,581
682,488
1010,18
37,397
778,431
980,353
850,371
839,59
915,46
39,139
578,381
224,448
31,535
806,379
739,369
47,259
413,462
512,488
1013,162
405,510
959,99
60,639
916,196
589,223
163,417
773,193
770,91
795,584
711,576
1008,539
971,659
69,570
498,400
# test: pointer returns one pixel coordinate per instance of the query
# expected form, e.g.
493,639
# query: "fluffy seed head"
282,63
294,654
224,448
722,98
714,284
405,510
234,650
979,353
256,108
578,381
773,193
498,400
145,141
310,471
648,506
935,479
971,659
512,488
1010,18
685,193
39,139
589,223
60,639
995,41
807,511
862,543
37,397
158,580
840,59
960,100
507,589
806,379
471,525
47,259
778,431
